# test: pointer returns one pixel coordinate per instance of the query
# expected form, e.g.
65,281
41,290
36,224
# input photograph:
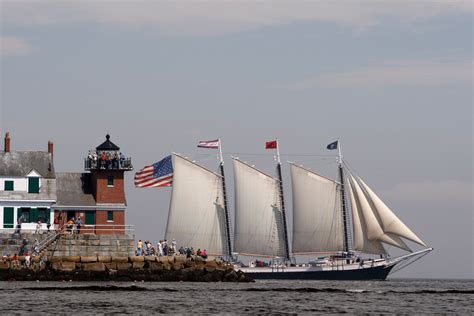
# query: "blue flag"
332,145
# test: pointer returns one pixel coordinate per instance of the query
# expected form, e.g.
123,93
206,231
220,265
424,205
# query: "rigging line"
268,155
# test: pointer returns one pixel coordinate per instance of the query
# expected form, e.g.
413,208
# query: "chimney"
51,149
7,142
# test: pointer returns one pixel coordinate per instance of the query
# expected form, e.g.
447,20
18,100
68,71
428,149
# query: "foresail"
374,230
317,213
258,215
390,222
360,240
196,217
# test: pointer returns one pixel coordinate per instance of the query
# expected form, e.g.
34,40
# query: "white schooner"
349,238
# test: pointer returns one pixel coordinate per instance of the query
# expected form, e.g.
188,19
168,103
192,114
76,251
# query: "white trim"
91,208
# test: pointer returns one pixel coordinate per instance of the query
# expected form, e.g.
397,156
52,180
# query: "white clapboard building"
27,186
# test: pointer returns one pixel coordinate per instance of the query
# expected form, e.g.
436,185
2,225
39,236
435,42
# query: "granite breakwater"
107,268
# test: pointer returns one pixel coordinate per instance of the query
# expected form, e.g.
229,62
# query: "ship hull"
372,273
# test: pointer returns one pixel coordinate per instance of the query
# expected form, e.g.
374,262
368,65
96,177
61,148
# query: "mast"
282,201
345,214
226,210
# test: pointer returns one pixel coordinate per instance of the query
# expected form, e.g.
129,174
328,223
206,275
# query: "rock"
166,266
71,259
123,266
211,264
88,259
163,259
137,259
170,259
150,258
104,259
67,266
189,264
177,266
211,258
156,266
210,269
138,265
4,265
93,266
111,265
56,265
180,259
199,260
231,276
120,259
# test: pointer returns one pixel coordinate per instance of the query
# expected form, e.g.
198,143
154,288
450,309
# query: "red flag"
271,145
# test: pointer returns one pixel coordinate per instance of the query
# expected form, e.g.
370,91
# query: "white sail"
317,213
390,222
196,217
258,215
360,240
374,230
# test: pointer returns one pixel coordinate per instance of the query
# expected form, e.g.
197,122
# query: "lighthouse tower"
107,166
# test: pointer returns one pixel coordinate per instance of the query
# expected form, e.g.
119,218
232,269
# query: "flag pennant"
214,144
332,145
271,144
159,174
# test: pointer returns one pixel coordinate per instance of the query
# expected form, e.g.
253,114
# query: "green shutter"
33,185
90,218
8,217
110,181
26,212
8,185
43,215
110,216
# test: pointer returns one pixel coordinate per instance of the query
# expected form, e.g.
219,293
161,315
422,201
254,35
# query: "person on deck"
79,224
204,254
38,228
139,248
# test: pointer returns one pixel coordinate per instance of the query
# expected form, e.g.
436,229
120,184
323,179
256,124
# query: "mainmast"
226,209
282,201
345,215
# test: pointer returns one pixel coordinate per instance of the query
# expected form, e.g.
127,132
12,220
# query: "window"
24,212
33,185
110,181
90,218
43,215
110,216
8,185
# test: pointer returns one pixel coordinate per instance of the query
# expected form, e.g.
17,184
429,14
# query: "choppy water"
306,297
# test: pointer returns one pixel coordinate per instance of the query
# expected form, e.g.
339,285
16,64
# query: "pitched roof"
74,189
107,145
20,163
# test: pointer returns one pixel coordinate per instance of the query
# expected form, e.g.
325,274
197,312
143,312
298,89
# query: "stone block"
180,259
123,266
150,258
211,258
71,259
88,259
166,266
162,259
93,266
177,266
4,265
155,266
68,266
56,265
137,259
120,259
111,265
211,264
170,259
138,265
104,259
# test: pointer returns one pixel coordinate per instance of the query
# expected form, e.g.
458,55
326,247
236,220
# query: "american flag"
159,174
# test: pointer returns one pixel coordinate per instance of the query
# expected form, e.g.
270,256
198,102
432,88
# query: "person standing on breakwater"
159,247
139,247
79,224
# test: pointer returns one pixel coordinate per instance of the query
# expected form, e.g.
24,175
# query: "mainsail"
258,214
317,217
197,217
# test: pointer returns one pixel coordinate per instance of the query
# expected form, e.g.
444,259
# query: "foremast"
282,204
226,209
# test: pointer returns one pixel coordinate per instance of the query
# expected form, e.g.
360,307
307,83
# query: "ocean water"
406,296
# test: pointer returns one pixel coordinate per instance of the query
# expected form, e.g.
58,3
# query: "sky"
393,80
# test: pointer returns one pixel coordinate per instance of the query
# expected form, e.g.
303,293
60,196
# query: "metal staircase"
50,239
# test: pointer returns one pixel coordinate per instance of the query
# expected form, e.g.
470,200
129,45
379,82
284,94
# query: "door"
8,217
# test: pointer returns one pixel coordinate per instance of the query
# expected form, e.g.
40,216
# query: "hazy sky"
392,79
